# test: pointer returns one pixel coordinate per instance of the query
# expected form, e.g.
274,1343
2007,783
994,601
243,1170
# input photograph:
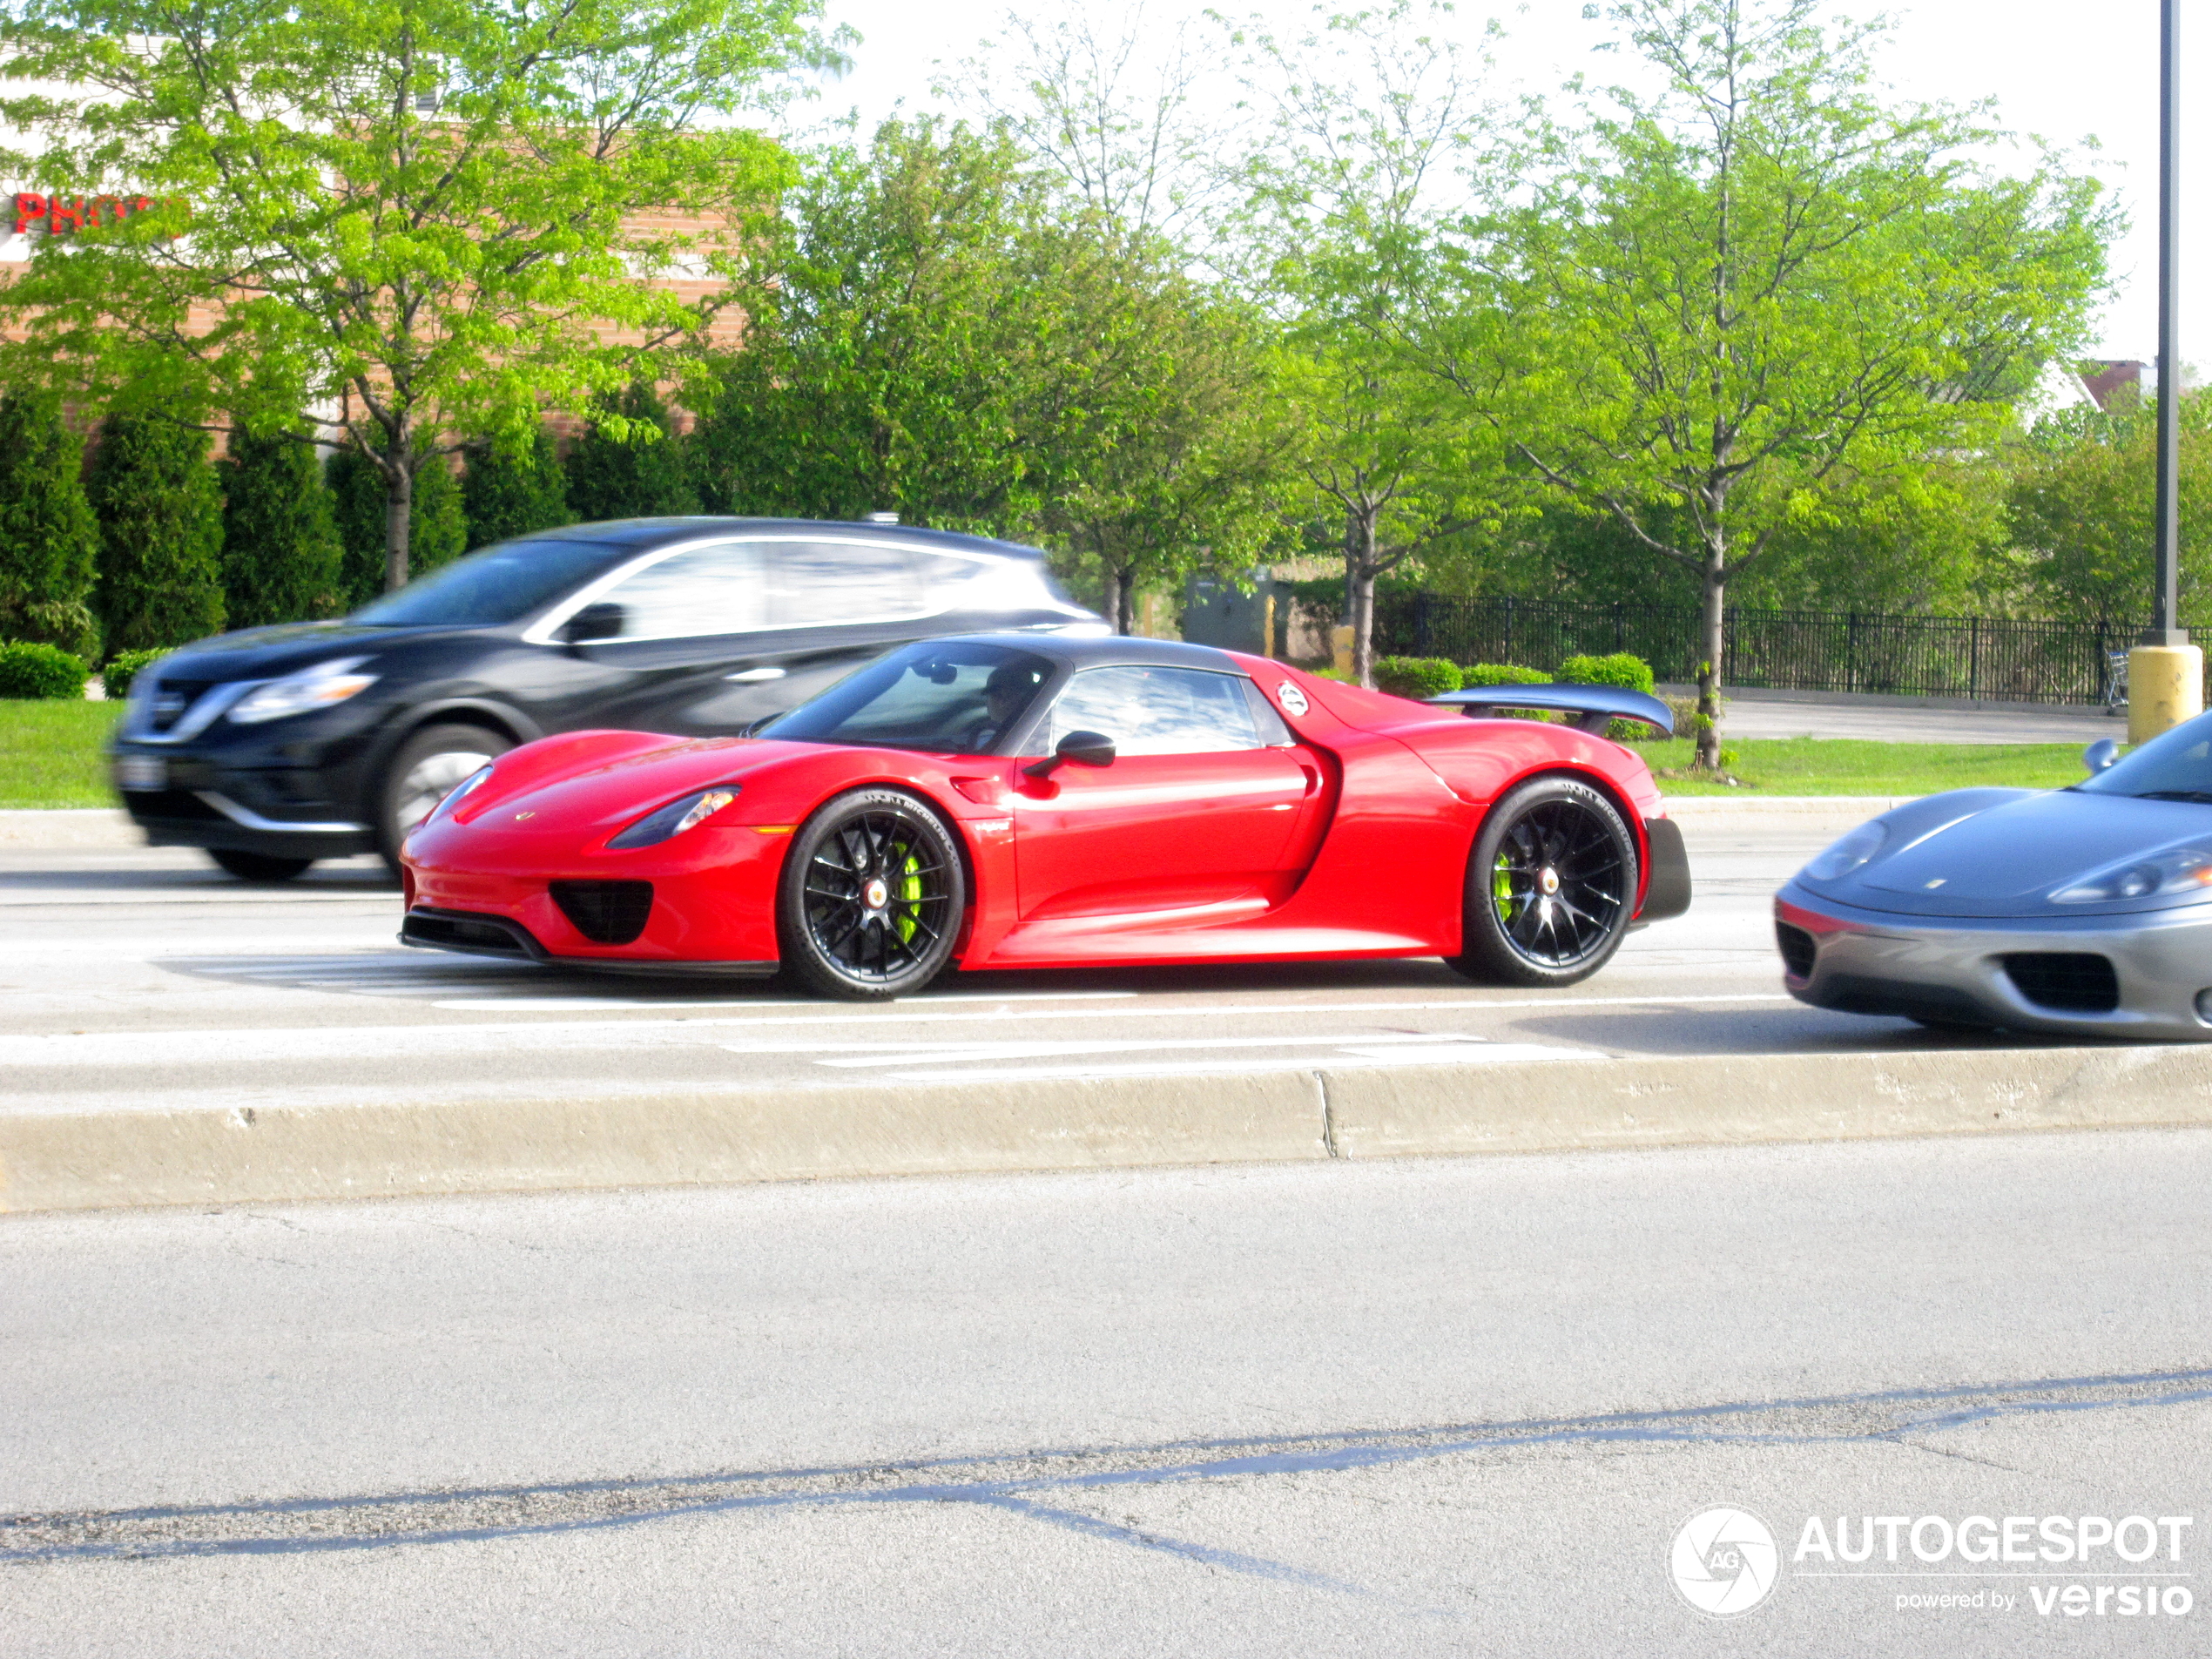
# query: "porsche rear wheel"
1550,888
872,897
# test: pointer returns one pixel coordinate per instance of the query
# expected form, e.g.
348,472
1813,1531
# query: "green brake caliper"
910,890
1502,889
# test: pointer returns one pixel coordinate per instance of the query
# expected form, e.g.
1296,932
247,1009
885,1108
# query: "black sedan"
273,747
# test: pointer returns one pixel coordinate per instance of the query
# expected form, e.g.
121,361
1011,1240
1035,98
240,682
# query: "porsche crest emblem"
1291,698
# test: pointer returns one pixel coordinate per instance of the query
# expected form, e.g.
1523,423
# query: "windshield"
2177,767
501,584
945,698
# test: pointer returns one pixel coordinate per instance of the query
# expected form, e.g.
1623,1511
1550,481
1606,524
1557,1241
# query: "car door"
1200,806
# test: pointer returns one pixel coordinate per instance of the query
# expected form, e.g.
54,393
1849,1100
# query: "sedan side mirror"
602,620
2100,755
1084,748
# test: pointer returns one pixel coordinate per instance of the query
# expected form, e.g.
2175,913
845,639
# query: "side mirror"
602,620
2100,755
1084,748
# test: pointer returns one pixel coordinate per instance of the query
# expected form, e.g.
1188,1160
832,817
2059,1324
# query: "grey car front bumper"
2138,975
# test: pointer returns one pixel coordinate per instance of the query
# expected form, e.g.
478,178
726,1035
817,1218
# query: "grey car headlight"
1849,852
671,820
319,687
2175,869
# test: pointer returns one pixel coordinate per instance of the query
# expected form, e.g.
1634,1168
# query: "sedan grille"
1796,950
172,700
606,913
2075,981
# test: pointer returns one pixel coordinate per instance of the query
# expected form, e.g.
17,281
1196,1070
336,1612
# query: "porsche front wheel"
872,897
1550,888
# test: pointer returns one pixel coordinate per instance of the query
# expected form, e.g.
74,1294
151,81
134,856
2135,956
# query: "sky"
2066,72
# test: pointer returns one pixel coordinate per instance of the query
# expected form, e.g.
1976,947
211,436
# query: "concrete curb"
65,828
90,1161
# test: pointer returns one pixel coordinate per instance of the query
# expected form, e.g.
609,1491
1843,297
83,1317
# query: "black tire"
871,899
421,773
1550,886
258,866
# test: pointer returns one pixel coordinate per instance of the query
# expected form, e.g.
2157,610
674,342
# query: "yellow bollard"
2165,687
1344,649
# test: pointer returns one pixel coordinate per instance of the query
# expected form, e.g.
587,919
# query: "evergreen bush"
281,549
642,477
125,667
48,539
437,531
1502,674
1417,676
160,513
512,491
1623,668
33,669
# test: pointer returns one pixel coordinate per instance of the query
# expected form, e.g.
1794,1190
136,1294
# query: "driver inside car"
1005,695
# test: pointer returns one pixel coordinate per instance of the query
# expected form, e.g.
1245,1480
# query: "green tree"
281,547
630,464
160,515
510,489
48,539
435,218
1728,310
437,527
2080,507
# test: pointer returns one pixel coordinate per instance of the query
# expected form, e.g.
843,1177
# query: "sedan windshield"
2177,767
945,698
501,585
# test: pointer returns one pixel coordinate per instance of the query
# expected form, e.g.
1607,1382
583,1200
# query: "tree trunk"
399,511
1125,600
1709,671
1359,587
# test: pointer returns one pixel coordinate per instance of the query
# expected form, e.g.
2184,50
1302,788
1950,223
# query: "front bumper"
294,789
1946,970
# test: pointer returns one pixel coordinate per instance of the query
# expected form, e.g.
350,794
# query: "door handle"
754,676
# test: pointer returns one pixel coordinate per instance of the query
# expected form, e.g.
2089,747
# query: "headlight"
1850,852
2181,869
319,687
467,785
674,819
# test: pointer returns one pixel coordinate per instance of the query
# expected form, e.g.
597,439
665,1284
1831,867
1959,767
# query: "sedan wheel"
872,897
1550,888
426,769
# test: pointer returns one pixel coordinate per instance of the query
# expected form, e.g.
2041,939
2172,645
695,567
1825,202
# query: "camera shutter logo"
1725,1562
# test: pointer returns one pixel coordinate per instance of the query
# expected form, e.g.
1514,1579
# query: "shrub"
48,539
438,531
1502,674
1623,668
160,514
639,476
34,669
123,667
512,491
281,549
1416,677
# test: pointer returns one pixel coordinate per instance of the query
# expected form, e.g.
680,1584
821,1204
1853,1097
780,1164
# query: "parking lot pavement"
138,977
1786,714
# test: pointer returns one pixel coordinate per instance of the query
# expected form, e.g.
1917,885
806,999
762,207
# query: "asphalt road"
1457,1407
137,976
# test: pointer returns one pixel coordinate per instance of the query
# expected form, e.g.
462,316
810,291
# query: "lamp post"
2165,672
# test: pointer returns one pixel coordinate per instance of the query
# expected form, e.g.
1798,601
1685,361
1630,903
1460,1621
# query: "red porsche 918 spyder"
1043,801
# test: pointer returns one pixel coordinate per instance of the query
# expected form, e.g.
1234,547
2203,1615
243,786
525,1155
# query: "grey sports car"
2086,910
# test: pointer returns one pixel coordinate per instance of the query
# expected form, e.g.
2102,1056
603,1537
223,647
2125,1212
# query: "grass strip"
1869,767
50,753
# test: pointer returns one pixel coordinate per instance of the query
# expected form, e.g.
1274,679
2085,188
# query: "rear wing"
1595,706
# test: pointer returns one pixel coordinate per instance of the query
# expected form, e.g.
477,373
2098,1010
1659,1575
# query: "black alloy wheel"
1550,888
872,897
257,866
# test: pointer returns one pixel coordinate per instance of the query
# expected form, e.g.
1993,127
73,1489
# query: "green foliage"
1621,668
437,527
510,489
52,753
628,465
36,670
48,539
160,514
1482,674
2081,500
430,219
1417,676
281,549
125,667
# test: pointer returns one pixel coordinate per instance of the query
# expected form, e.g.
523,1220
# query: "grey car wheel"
425,771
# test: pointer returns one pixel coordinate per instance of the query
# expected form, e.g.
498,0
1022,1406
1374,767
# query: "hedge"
123,667
160,512
1483,674
1624,669
512,491
281,549
608,478
31,669
1417,676
48,539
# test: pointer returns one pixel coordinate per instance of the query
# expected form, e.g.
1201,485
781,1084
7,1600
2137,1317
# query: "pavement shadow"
62,881
1684,1030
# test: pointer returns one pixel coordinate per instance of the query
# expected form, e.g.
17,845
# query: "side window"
820,584
1273,732
703,590
1158,711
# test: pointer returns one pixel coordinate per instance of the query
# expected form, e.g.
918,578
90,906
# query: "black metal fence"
1801,650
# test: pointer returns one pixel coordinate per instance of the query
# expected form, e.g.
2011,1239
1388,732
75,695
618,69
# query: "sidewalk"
1752,713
